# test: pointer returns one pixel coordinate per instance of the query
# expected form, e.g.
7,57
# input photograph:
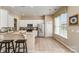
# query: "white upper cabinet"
10,21
3,18
6,20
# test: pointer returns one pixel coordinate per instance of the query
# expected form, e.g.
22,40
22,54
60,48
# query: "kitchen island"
29,36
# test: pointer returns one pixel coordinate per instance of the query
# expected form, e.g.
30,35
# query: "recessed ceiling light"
23,14
31,6
55,9
50,9
12,6
22,6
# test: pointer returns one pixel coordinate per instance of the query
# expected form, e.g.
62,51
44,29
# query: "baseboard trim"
43,37
65,45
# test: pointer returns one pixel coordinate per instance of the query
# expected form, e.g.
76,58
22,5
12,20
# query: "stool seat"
20,41
6,41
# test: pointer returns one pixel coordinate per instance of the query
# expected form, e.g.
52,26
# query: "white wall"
73,31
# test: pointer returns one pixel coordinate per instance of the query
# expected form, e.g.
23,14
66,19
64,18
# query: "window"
61,25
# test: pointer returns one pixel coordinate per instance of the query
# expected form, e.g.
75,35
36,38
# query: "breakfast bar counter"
28,36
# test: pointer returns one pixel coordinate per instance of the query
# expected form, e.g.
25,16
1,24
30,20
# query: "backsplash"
6,29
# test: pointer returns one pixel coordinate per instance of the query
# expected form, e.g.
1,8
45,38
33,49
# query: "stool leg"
13,46
0,47
8,47
18,47
26,46
23,47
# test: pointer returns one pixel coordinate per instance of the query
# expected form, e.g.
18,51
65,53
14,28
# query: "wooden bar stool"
18,46
8,45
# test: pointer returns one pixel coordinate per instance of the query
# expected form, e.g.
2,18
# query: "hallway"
49,45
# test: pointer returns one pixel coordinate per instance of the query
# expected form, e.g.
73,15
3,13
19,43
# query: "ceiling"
33,10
